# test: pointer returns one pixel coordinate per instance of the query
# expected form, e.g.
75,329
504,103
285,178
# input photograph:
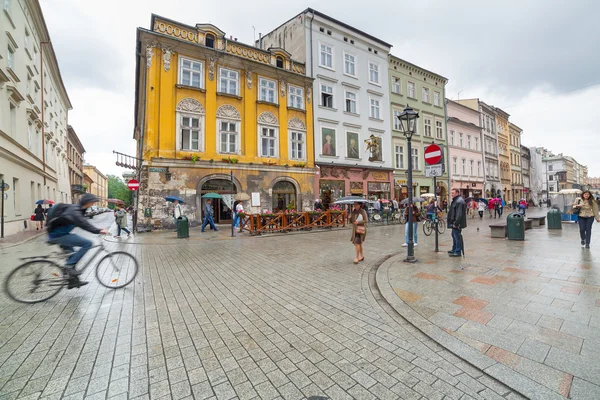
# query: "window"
268,141
10,60
209,40
375,109
268,90
351,102
477,143
27,35
415,158
298,139
410,89
373,73
550,167
326,59
229,81
349,64
427,124
327,96
551,178
464,166
190,73
461,143
426,95
396,85
16,199
471,167
468,141
296,99
6,5
436,99
454,160
279,61
29,136
399,157
228,136
190,133
13,120
439,132
451,138
397,120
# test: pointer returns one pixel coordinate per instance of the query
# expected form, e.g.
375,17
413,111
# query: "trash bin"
183,227
515,226
554,219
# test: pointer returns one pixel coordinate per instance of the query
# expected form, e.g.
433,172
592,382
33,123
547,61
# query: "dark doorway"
221,207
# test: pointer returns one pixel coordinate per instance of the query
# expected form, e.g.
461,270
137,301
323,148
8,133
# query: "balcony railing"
77,189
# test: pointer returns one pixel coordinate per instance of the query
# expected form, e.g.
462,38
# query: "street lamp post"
408,122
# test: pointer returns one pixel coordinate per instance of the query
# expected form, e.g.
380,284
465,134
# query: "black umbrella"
415,200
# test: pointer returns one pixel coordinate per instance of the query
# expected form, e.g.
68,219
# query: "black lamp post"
408,124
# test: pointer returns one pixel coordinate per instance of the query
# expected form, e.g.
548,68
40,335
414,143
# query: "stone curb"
499,371
8,245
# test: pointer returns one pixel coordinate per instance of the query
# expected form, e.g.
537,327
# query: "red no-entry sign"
433,154
133,184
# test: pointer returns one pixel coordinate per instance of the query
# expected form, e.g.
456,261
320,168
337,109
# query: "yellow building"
503,152
215,115
97,184
516,176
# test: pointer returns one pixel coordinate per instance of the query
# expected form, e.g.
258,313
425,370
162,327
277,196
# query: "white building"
33,115
350,102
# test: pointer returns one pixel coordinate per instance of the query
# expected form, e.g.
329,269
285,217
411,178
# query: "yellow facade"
195,72
503,152
98,184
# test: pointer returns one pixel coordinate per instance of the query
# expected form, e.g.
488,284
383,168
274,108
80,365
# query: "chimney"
235,39
230,37
260,40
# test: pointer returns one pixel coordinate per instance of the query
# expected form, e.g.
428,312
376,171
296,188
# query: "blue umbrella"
44,202
173,198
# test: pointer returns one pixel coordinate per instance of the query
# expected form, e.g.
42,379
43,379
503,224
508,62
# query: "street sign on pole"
432,171
133,184
433,154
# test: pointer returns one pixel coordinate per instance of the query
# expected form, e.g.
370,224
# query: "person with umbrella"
416,216
208,216
457,220
39,217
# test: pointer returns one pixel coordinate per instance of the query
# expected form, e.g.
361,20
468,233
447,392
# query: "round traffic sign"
133,184
433,154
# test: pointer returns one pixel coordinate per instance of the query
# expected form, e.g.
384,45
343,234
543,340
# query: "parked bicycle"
429,225
40,278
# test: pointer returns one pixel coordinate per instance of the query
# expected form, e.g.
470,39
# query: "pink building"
465,150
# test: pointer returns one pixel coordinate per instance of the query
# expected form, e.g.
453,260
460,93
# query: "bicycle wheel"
35,281
441,228
116,270
427,229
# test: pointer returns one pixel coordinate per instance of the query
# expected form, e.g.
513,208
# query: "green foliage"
118,190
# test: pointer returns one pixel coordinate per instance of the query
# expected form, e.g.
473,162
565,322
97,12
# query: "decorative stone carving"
268,118
191,105
228,111
296,123
167,54
345,173
211,68
249,79
282,87
308,94
334,173
149,55
365,174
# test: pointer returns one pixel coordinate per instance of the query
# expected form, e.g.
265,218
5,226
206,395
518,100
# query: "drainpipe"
43,108
447,163
311,51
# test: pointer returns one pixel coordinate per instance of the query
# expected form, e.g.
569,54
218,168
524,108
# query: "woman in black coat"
39,217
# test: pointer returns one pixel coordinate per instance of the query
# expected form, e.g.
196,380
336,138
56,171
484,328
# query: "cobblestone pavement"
531,306
287,317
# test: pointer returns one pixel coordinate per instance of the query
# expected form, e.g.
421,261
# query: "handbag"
577,210
360,229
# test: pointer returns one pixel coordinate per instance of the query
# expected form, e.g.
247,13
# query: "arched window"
209,41
279,61
284,196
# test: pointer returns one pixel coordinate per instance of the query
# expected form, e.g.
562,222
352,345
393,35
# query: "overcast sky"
536,59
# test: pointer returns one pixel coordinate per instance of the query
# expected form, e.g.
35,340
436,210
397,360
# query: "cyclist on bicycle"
62,219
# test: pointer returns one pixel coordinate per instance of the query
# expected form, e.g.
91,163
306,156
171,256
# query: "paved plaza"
291,317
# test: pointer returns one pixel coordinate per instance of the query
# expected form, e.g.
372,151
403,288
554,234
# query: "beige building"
34,106
75,153
97,184
516,176
503,152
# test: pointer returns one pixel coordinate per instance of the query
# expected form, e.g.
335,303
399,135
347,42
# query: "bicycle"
430,223
40,275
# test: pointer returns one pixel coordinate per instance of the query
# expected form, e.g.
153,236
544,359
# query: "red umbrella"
116,201
44,202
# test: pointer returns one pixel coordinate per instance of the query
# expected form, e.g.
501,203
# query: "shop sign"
379,176
157,169
400,182
356,187
378,187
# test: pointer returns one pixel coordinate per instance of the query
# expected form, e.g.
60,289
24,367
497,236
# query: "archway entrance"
284,195
222,207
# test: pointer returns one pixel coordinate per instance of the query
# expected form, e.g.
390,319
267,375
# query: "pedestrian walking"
121,221
490,206
39,217
239,208
176,211
445,205
396,205
472,208
208,216
481,208
502,204
416,217
587,210
457,220
358,219
376,206
497,205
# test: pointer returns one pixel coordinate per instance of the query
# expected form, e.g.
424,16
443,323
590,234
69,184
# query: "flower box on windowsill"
269,163
230,160
299,165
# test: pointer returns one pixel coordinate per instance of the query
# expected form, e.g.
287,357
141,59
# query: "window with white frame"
454,162
326,95
439,132
326,59
298,146
268,90
228,137
395,85
471,167
477,143
426,95
191,73
229,81
191,128
373,72
478,168
397,120
399,157
10,60
427,125
268,141
436,99
29,135
460,140
375,111
469,142
351,103
415,158
296,99
464,166
452,138
410,89
349,64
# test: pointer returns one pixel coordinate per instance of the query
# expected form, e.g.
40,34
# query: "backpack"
54,214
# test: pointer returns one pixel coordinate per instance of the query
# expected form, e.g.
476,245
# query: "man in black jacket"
62,219
457,220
